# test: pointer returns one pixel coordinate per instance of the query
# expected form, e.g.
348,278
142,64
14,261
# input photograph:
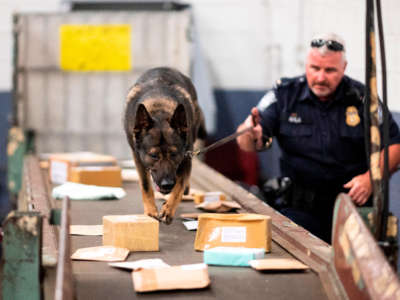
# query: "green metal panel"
22,256
19,143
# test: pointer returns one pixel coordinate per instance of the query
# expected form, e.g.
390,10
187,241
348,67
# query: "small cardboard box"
134,232
171,278
233,230
60,164
94,175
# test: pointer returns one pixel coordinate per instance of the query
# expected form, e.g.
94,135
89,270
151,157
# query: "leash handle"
227,139
266,138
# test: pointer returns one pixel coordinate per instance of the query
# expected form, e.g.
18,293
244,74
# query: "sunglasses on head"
330,44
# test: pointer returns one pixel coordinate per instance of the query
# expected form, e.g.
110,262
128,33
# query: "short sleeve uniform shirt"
322,143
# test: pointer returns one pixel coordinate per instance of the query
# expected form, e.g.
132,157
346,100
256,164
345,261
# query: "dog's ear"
179,120
143,120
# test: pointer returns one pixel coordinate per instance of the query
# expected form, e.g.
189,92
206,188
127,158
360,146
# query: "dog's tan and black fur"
162,122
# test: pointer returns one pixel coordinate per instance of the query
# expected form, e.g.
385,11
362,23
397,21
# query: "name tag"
294,118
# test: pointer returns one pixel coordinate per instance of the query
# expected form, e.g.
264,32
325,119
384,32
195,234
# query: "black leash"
226,140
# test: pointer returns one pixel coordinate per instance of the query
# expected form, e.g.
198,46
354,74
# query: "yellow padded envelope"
233,230
95,47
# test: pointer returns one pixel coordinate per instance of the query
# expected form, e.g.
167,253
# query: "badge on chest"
352,117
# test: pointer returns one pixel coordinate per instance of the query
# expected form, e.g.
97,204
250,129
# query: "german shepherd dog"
162,121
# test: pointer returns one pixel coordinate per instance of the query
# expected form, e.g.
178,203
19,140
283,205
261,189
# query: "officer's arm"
360,187
252,139
394,158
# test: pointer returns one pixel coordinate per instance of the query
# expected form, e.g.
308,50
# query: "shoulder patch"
285,81
268,99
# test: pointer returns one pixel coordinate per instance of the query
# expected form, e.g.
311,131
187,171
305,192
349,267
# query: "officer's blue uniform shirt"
322,143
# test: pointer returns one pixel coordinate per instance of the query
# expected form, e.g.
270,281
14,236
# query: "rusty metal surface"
359,262
35,197
64,289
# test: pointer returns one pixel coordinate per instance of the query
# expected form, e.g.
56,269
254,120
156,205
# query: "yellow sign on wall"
95,47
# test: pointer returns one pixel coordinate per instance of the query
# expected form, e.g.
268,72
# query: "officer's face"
324,72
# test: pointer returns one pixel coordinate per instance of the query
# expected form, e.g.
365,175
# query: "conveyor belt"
97,280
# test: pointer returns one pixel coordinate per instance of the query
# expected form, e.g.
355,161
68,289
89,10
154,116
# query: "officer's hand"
360,188
252,139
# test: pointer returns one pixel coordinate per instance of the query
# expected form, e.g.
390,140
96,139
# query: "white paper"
191,225
233,234
129,175
141,264
59,171
194,266
212,196
86,230
101,253
77,191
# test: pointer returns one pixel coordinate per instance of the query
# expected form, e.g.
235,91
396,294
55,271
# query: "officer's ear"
344,61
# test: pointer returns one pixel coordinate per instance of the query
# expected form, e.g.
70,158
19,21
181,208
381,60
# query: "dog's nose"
167,184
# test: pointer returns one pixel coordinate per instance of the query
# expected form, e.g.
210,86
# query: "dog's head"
161,142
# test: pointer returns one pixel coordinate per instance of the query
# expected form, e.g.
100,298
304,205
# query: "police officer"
317,119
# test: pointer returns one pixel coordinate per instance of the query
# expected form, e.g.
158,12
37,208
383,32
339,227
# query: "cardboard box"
233,230
60,164
102,176
171,278
134,232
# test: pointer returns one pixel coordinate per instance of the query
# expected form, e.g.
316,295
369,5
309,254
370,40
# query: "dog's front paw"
151,213
166,215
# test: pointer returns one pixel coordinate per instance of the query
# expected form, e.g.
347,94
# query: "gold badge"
352,117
